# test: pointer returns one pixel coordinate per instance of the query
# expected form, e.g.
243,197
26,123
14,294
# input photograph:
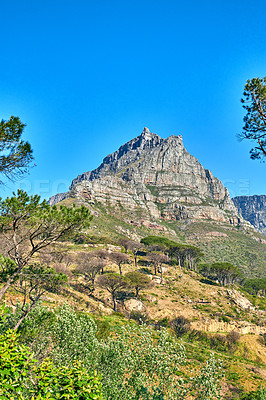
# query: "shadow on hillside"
208,282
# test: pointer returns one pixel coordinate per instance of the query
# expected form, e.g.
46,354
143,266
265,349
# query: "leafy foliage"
113,283
33,282
15,154
255,286
224,272
259,394
28,225
138,280
22,378
254,102
15,366
135,362
208,380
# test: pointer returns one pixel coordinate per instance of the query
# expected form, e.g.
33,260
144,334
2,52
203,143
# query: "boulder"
134,305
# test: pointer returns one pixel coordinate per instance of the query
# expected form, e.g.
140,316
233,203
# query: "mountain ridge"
158,176
153,186
253,209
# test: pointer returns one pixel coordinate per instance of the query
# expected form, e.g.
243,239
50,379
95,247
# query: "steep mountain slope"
253,209
154,186
159,179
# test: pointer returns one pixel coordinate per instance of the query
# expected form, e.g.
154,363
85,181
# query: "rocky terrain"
153,186
253,209
159,179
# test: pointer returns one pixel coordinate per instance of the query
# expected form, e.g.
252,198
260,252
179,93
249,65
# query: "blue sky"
87,76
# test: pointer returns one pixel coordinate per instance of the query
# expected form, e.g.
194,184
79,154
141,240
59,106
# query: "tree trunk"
120,269
114,301
24,316
9,282
161,275
135,258
7,285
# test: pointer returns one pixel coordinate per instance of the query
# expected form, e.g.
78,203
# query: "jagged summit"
160,179
146,132
129,153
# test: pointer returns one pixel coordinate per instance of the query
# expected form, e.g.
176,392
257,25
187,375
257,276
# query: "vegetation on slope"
175,301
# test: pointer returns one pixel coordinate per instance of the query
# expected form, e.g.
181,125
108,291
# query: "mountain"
153,186
159,179
253,209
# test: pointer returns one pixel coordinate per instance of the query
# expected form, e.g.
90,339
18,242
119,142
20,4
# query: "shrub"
180,325
259,394
232,339
22,378
135,362
140,317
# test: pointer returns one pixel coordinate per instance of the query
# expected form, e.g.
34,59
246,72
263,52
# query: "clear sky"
87,75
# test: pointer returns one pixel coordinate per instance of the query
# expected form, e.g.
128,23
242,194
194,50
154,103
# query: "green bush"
259,394
22,378
134,362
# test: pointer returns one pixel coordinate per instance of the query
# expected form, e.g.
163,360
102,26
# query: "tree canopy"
138,280
15,154
254,102
224,272
28,225
158,241
113,283
255,286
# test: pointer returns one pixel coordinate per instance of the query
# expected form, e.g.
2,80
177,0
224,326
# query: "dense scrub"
136,362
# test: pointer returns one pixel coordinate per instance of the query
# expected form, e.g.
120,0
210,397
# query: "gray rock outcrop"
253,209
158,178
57,198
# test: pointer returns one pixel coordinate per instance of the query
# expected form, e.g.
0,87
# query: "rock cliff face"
57,198
159,179
253,209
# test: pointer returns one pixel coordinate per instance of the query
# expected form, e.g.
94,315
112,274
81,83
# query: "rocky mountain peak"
146,132
159,178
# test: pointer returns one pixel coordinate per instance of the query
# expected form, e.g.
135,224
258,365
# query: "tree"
256,286
34,281
89,266
138,280
158,259
254,102
15,154
129,244
113,283
134,247
119,259
192,255
103,255
187,256
158,241
124,242
28,225
224,272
